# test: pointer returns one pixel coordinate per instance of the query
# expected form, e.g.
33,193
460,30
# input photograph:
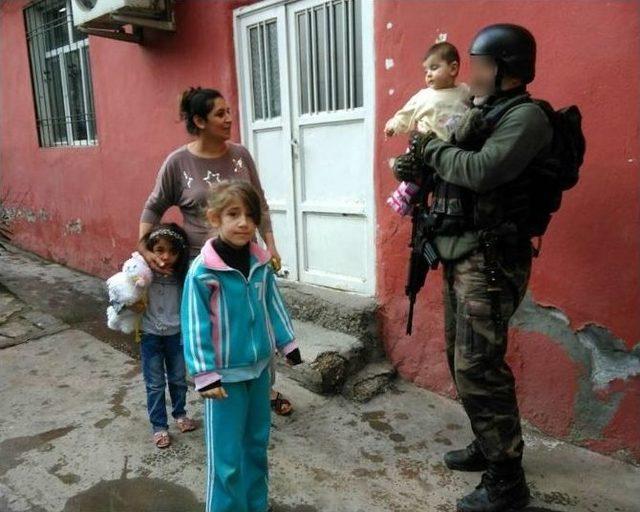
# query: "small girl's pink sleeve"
205,379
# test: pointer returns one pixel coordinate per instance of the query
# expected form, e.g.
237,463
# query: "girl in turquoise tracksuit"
233,321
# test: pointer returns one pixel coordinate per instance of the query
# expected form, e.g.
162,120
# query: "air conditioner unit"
114,14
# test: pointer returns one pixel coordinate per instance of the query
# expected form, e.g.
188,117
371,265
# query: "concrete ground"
74,436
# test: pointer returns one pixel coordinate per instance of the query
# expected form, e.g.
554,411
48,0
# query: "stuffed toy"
125,289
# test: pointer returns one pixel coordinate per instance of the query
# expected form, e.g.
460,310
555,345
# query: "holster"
490,249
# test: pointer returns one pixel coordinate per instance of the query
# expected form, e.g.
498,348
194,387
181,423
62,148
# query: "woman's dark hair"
177,238
196,101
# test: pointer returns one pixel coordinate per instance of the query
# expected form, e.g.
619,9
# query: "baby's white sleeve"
403,121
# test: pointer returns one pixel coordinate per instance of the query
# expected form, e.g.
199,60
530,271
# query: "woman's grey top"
184,180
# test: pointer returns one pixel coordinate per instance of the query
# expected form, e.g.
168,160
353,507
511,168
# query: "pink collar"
212,260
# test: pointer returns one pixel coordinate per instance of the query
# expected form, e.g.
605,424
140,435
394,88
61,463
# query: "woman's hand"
217,393
154,261
276,261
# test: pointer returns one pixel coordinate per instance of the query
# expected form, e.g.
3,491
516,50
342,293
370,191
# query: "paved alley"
74,436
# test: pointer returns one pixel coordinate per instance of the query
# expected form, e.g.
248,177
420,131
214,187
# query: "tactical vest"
458,209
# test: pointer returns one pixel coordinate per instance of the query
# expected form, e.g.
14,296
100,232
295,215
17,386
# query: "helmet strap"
499,76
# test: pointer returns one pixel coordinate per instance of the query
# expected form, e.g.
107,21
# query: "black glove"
410,166
404,168
294,357
417,143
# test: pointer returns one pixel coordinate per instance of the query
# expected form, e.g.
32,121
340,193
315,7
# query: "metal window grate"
60,75
265,70
329,40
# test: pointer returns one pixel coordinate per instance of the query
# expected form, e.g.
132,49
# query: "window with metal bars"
60,75
265,70
329,38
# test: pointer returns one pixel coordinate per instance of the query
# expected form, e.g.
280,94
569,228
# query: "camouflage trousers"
476,346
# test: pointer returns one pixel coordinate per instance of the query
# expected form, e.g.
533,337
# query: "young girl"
161,346
234,319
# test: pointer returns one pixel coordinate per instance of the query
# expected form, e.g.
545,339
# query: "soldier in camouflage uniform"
480,200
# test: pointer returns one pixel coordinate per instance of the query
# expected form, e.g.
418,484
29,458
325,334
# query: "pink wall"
136,90
589,268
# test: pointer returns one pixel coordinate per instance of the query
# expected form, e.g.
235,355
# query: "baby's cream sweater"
436,110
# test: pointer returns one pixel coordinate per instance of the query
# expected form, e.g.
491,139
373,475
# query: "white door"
261,46
314,146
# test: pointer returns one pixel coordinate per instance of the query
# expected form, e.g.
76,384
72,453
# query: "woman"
187,174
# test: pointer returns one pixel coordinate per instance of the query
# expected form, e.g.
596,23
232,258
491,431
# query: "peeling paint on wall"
610,359
73,227
603,356
14,213
388,63
600,351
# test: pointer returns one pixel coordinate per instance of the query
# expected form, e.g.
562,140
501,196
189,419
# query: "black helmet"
513,48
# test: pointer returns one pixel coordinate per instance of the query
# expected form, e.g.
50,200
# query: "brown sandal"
161,439
186,424
281,406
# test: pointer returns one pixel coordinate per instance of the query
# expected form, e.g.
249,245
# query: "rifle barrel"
412,301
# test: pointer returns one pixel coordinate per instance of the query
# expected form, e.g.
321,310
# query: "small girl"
160,345
234,320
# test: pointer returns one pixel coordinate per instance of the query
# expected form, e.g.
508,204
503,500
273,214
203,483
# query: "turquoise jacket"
232,325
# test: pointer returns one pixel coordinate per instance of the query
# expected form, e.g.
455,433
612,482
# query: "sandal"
281,406
186,424
161,439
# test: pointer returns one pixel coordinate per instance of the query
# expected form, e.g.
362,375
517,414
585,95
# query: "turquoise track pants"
237,438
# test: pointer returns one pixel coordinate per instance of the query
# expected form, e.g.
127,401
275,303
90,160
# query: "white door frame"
368,71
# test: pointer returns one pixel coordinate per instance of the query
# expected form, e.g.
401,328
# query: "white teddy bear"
126,288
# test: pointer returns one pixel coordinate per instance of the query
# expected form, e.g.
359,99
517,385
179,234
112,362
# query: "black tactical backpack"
558,170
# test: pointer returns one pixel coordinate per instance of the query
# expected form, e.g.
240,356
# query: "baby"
437,109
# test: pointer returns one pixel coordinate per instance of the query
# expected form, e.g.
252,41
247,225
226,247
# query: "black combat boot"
502,488
470,458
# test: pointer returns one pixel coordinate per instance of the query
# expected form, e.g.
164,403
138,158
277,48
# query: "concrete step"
340,342
336,310
336,363
330,357
373,380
